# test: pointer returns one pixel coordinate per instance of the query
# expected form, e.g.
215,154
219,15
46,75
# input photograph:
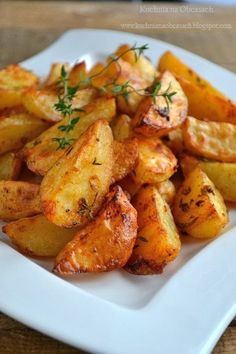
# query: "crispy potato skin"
125,158
41,102
42,153
37,237
18,129
158,241
222,174
153,118
212,107
169,61
199,208
210,139
104,244
73,189
18,200
156,162
10,166
13,81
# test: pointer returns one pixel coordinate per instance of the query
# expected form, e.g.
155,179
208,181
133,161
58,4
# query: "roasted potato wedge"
156,162
125,72
37,237
42,153
74,188
77,74
121,127
55,73
205,105
42,102
199,208
125,158
18,200
222,174
18,129
167,190
213,140
155,116
144,66
158,241
104,244
169,61
10,166
13,81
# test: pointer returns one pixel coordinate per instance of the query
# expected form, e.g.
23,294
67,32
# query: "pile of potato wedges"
139,174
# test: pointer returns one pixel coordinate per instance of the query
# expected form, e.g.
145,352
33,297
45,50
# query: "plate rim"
103,307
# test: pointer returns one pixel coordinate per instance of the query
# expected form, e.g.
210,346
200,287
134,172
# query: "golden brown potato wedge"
10,166
156,162
158,241
55,73
18,200
104,244
125,158
121,127
124,72
78,74
213,140
146,69
167,190
169,61
74,188
205,105
199,209
18,129
222,174
154,116
13,81
37,237
41,103
42,153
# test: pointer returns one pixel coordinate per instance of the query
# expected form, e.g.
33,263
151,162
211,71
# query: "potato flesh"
37,237
121,127
158,241
156,162
125,158
55,73
73,189
199,208
210,139
222,174
104,244
42,153
17,129
153,117
10,166
169,61
13,81
41,103
18,200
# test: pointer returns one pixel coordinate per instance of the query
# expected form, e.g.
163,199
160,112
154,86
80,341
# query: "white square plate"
182,311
